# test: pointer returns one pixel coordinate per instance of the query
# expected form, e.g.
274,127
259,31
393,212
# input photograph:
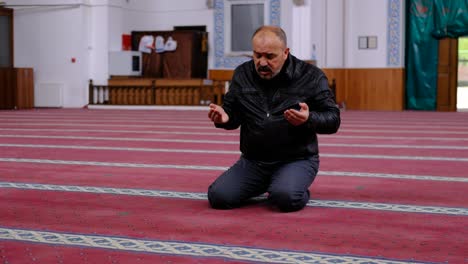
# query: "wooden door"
447,75
7,96
7,88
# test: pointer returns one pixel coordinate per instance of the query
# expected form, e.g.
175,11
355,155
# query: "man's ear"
286,52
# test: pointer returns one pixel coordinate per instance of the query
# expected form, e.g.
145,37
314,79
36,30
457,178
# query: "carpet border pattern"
182,248
202,196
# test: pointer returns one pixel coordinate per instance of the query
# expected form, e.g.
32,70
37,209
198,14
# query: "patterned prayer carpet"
129,186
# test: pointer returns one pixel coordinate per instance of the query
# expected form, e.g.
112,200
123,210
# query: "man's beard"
262,69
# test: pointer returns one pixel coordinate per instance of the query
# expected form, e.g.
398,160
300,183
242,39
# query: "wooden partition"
16,88
339,76
370,88
359,89
220,79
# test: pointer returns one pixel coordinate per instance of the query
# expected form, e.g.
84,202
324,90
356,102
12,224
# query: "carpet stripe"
442,193
123,131
110,120
127,139
354,156
115,164
226,142
181,248
363,156
392,176
211,127
397,131
395,146
202,196
346,121
220,168
391,146
395,138
113,125
121,148
132,120
235,133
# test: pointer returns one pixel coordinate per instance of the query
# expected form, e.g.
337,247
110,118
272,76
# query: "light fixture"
299,2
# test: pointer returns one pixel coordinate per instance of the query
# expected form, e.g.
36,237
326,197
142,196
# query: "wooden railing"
122,94
154,92
140,91
221,80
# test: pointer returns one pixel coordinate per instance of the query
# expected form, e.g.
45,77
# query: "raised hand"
295,117
217,114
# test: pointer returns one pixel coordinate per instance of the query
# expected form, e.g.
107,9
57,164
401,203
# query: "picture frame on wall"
362,42
372,42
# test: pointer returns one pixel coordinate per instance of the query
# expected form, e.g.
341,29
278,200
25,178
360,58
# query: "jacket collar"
288,68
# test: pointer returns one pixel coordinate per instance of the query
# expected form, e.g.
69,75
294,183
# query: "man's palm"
217,114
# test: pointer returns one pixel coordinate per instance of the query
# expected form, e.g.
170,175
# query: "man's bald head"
266,30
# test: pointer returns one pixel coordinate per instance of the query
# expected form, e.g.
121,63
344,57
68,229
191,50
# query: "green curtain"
421,58
428,21
451,19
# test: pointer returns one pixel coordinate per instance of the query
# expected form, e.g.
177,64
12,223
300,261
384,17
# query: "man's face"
269,54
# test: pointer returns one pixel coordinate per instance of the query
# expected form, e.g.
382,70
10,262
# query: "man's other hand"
217,114
295,117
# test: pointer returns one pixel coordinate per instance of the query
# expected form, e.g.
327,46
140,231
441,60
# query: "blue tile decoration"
393,33
221,61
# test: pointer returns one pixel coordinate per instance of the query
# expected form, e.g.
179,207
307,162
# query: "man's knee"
289,201
221,199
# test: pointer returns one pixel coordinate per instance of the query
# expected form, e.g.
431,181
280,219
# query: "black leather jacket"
257,106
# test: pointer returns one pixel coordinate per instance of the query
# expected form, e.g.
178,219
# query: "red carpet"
123,186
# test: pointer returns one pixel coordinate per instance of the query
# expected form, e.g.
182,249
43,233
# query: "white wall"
99,44
334,26
365,18
45,43
301,35
49,33
47,38
333,55
116,25
106,26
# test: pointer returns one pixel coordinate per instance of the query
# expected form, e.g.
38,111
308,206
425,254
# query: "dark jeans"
287,183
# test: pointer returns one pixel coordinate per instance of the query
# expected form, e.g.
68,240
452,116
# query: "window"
242,17
6,38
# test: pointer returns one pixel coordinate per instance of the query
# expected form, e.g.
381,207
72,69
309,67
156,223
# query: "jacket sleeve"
324,114
231,106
